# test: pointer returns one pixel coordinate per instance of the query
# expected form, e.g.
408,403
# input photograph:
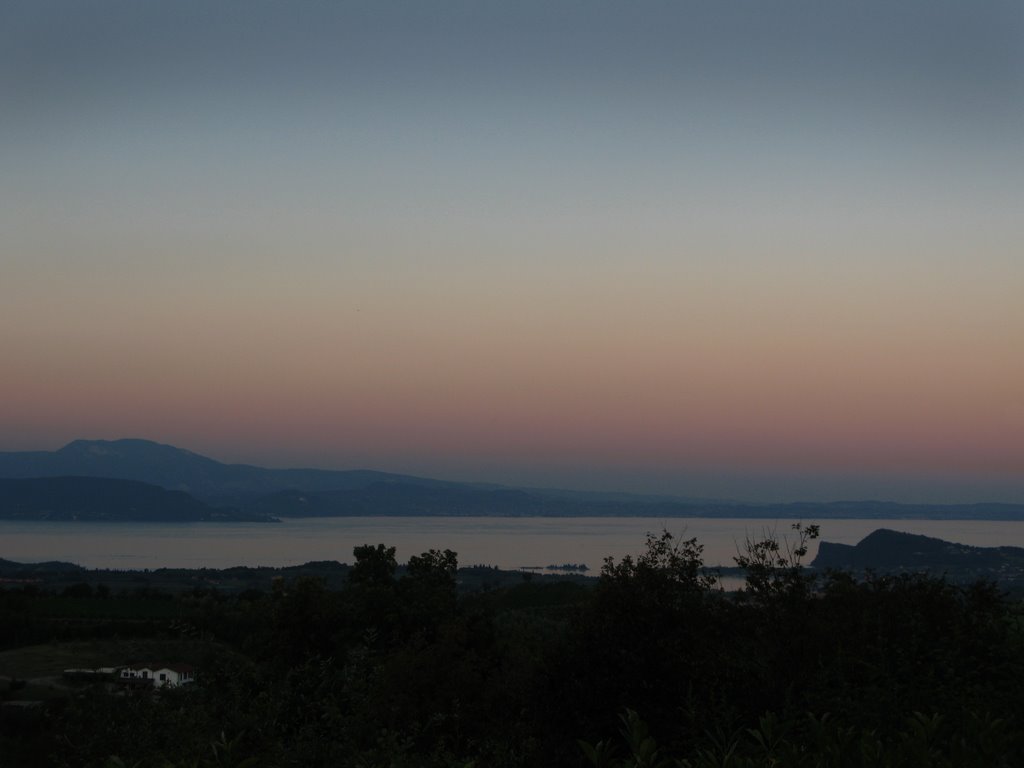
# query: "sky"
752,250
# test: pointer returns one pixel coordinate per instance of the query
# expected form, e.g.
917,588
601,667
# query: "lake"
505,542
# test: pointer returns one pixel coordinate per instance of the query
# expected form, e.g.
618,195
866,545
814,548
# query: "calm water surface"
505,542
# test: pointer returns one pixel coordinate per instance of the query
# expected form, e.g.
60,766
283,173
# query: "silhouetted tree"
374,565
775,566
434,566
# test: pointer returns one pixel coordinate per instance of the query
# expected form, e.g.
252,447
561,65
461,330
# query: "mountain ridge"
105,499
304,492
887,550
180,469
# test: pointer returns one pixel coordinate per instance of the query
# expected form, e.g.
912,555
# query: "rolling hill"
103,499
259,492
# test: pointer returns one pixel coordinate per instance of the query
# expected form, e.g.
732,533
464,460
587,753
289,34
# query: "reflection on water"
505,542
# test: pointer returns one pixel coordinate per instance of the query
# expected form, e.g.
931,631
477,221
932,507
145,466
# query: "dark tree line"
653,666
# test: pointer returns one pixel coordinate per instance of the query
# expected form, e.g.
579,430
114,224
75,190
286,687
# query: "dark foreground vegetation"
651,665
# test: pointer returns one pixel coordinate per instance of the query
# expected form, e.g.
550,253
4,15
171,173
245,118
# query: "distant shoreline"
739,513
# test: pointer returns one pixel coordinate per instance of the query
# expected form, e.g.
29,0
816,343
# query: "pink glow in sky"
671,254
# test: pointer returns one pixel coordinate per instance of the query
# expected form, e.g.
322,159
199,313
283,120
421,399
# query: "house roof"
156,667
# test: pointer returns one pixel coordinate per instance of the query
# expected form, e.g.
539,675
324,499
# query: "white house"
160,674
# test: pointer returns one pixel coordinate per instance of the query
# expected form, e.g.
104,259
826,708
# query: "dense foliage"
653,666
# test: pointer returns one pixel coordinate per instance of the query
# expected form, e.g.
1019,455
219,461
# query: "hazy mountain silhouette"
320,492
408,499
309,492
94,498
178,469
